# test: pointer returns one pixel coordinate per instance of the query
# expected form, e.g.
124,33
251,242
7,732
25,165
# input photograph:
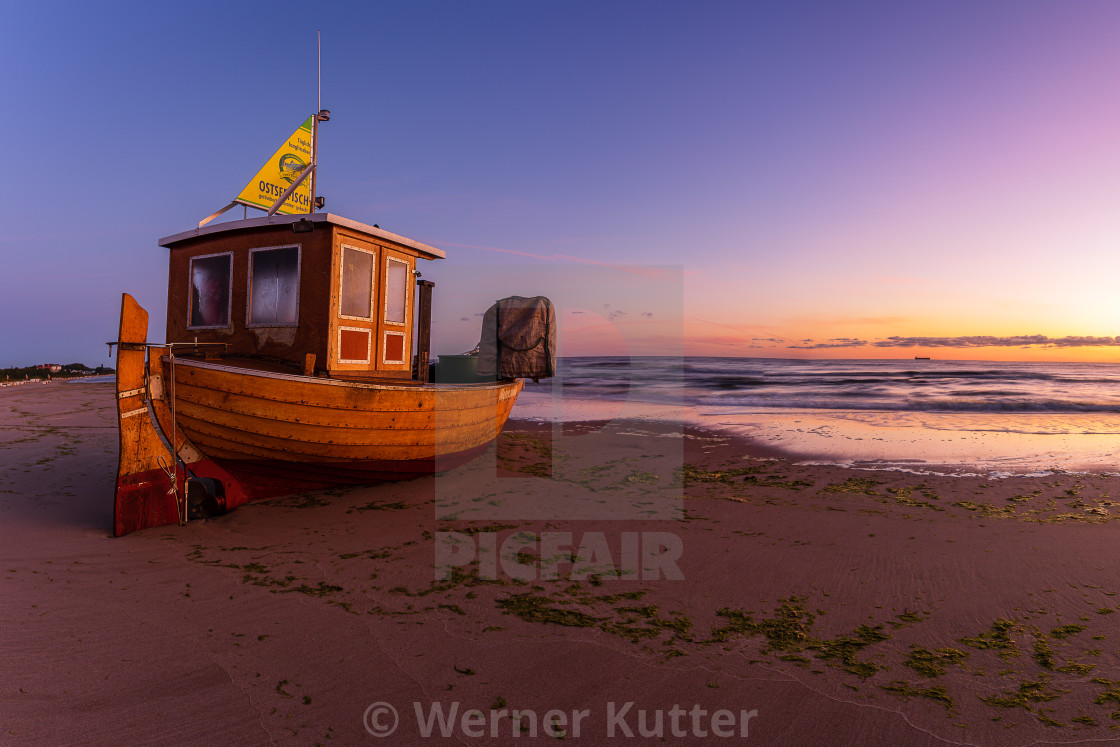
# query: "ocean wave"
912,404
899,386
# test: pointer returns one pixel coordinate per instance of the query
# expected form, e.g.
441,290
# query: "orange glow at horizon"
590,334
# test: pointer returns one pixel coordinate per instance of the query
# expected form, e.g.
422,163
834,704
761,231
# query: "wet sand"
844,606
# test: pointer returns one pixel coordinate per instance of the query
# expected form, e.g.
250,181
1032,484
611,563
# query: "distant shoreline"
88,378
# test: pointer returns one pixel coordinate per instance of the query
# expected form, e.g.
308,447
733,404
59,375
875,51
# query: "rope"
174,489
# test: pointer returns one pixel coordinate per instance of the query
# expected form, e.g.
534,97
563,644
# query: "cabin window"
211,277
356,283
396,291
274,287
393,350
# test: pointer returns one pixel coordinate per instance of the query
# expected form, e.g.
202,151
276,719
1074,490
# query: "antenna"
321,115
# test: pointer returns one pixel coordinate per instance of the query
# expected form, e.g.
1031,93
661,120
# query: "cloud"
989,341
742,329
496,249
699,341
659,273
844,319
835,342
968,341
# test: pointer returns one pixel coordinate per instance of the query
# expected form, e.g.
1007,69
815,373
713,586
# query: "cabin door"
395,343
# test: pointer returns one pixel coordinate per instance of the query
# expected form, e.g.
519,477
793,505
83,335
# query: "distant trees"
70,370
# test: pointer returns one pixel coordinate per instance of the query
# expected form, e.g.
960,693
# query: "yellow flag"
280,171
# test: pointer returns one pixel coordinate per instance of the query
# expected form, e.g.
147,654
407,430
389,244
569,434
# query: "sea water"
924,415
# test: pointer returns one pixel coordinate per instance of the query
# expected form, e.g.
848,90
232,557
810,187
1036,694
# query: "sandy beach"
839,605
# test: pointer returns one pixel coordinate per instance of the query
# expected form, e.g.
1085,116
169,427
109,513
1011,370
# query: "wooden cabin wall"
288,344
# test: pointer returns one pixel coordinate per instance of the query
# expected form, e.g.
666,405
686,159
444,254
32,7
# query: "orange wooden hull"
227,435
272,429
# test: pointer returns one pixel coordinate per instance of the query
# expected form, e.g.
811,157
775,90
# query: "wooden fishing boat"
296,358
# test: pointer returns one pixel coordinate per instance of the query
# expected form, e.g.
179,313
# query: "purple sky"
832,172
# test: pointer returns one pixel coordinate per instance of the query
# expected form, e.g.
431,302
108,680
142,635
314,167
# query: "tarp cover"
518,339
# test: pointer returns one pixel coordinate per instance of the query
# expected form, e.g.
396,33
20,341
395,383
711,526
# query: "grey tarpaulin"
518,339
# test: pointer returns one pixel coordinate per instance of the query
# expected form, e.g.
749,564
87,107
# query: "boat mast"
321,115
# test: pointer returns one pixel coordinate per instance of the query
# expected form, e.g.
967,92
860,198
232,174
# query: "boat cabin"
315,294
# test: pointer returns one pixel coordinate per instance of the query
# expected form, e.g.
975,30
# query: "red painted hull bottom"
270,479
145,499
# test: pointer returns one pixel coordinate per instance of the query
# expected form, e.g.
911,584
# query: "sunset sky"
794,179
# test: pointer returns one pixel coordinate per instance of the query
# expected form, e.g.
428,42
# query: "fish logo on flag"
278,173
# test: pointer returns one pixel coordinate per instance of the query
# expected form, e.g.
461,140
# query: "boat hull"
198,435
282,433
